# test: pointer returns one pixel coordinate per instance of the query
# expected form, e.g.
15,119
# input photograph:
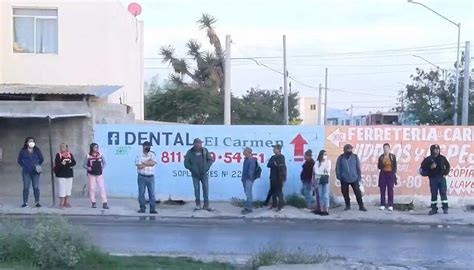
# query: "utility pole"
352,114
456,92
319,104
227,69
465,92
326,98
285,84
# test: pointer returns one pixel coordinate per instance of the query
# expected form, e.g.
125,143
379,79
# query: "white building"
309,111
73,43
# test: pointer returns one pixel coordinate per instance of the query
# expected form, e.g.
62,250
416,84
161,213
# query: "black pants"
357,192
269,195
276,194
438,183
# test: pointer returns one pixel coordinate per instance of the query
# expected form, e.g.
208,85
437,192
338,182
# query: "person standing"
437,167
198,161
248,177
387,165
322,171
278,174
30,159
349,173
94,163
63,164
307,175
145,163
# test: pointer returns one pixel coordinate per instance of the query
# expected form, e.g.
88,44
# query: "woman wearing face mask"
63,164
30,159
94,163
322,170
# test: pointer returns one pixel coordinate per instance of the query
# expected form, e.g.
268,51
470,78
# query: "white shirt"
142,158
324,169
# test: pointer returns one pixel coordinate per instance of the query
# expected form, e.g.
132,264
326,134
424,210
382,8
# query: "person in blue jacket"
349,173
30,159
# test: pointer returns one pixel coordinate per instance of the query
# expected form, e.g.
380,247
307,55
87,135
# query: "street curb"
283,219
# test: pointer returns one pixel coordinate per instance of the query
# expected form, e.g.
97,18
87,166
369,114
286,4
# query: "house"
383,118
309,110
69,43
65,66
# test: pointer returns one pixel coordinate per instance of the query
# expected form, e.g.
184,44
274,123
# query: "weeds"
275,255
241,203
296,200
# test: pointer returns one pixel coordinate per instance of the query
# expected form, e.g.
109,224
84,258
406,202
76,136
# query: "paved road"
368,242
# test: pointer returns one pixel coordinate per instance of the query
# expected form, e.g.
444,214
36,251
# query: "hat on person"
348,147
147,143
197,140
248,149
278,146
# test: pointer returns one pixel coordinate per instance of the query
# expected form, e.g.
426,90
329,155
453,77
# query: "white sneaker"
390,209
382,208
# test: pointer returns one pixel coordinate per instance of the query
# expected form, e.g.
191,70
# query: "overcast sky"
350,37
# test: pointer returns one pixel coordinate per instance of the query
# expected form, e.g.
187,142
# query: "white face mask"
31,144
325,157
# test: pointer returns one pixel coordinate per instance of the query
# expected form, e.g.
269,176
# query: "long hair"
320,156
25,145
91,148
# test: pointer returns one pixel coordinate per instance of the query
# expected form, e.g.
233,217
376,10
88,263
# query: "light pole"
458,25
445,71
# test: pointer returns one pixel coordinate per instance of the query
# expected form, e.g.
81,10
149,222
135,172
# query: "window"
35,30
312,107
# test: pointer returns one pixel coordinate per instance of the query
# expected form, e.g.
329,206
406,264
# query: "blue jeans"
308,193
28,179
323,190
149,184
248,184
197,181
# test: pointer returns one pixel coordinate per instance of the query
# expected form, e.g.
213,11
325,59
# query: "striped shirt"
142,158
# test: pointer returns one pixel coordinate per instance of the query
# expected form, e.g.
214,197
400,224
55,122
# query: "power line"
376,52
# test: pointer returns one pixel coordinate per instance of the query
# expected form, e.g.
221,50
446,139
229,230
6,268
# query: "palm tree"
209,72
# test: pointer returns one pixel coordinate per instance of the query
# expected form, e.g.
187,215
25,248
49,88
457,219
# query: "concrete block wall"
76,132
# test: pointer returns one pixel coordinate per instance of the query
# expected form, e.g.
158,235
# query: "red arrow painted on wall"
299,143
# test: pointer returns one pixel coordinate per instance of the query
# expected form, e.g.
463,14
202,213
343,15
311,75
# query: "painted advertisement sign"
410,145
122,143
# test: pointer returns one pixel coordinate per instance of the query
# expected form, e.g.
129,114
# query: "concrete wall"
76,132
99,42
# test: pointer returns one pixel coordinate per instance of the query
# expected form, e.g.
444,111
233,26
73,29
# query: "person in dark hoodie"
307,176
437,167
278,174
387,165
349,173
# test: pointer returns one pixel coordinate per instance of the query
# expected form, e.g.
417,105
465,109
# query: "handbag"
324,179
38,169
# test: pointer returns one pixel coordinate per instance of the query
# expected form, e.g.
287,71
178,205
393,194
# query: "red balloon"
135,9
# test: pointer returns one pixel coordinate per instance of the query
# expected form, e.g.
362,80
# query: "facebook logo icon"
113,138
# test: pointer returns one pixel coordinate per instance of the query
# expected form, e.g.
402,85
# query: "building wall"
99,43
78,133
307,115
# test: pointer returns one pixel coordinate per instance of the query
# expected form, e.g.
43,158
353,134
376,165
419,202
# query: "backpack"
423,171
258,171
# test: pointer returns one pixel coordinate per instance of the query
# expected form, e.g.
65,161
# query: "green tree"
209,66
263,107
428,99
200,106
